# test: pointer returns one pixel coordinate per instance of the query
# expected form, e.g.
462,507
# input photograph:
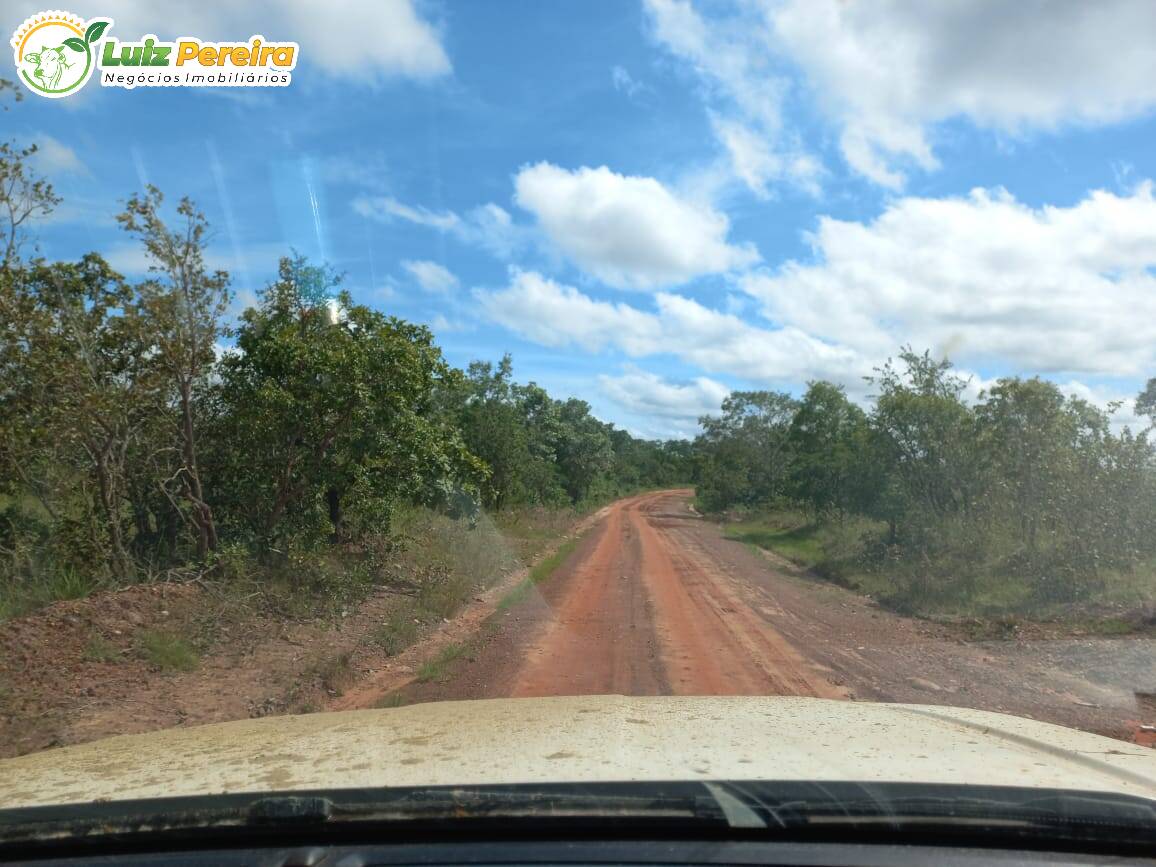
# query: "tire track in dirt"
713,642
638,611
402,670
600,639
656,600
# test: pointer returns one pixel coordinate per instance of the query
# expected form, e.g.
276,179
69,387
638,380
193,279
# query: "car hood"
584,739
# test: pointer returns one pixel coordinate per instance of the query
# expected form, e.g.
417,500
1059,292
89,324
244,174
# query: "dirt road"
655,601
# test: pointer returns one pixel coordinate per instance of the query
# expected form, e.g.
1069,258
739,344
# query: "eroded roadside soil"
656,601
73,671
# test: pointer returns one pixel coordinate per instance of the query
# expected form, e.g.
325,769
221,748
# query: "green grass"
17,598
397,633
800,545
961,583
167,650
100,649
541,570
437,669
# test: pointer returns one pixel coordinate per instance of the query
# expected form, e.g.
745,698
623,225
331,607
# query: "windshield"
799,354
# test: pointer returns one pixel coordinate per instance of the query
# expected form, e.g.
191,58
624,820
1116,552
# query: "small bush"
167,650
100,649
397,633
336,673
437,669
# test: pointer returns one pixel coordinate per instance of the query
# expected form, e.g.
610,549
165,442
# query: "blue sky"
650,203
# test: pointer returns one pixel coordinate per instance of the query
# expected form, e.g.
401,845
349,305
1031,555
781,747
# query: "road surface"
654,601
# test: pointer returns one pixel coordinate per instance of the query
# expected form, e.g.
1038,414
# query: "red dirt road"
655,601
644,613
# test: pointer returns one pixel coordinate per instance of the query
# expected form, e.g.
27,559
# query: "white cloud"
54,157
624,82
722,53
353,40
631,232
131,260
983,277
887,71
488,226
1121,406
652,396
557,315
757,165
385,208
441,324
431,276
730,56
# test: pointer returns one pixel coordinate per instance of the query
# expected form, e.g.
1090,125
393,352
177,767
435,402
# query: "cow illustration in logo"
55,52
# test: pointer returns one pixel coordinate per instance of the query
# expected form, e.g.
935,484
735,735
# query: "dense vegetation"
149,430
146,433
1026,498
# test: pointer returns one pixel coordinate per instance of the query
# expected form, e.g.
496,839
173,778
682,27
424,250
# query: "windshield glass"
397,355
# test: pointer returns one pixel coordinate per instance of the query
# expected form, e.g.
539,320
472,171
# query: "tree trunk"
110,506
202,513
336,515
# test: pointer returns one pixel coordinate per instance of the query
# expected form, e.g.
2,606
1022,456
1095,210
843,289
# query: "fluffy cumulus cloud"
651,396
431,276
628,231
364,41
885,72
983,278
731,58
556,315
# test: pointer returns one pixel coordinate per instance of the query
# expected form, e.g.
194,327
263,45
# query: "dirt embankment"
80,670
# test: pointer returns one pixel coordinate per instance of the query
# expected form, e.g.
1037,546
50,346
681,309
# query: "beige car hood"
593,738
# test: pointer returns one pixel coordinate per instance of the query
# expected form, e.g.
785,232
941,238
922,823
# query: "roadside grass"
336,672
982,594
832,550
100,649
398,632
532,529
53,585
541,570
166,650
437,669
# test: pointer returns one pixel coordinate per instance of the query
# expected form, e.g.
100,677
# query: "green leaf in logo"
75,44
95,31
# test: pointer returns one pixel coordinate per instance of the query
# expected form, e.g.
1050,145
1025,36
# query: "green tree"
583,448
1146,401
926,436
745,452
829,443
181,307
1027,436
494,429
23,195
330,413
